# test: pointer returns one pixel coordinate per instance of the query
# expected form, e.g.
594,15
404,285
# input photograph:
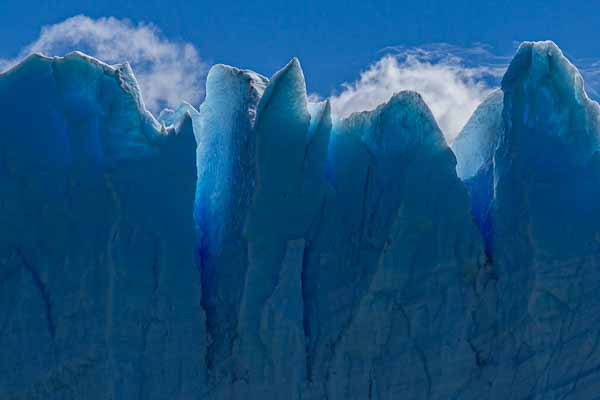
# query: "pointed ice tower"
530,158
261,183
226,141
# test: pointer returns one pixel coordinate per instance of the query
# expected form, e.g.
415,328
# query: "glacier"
259,247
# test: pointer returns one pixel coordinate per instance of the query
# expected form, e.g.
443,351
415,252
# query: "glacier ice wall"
259,247
99,291
318,236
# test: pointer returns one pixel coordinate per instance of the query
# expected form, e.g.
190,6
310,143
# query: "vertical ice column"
290,160
226,140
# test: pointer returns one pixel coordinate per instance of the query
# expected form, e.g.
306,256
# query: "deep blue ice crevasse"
474,149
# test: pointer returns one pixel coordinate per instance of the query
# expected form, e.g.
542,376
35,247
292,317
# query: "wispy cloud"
590,70
452,80
168,72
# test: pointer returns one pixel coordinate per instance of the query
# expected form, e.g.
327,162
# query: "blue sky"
335,40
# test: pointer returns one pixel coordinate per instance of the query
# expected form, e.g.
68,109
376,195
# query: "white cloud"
168,72
590,70
452,81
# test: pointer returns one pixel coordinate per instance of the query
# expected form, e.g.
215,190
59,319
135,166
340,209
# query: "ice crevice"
42,290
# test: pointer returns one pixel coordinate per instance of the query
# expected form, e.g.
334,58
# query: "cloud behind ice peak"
590,70
168,72
453,81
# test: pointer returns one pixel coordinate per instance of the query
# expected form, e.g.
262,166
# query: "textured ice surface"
390,270
99,292
337,272
474,149
475,146
543,217
285,255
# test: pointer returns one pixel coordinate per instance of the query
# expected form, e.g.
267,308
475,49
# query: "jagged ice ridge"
260,248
